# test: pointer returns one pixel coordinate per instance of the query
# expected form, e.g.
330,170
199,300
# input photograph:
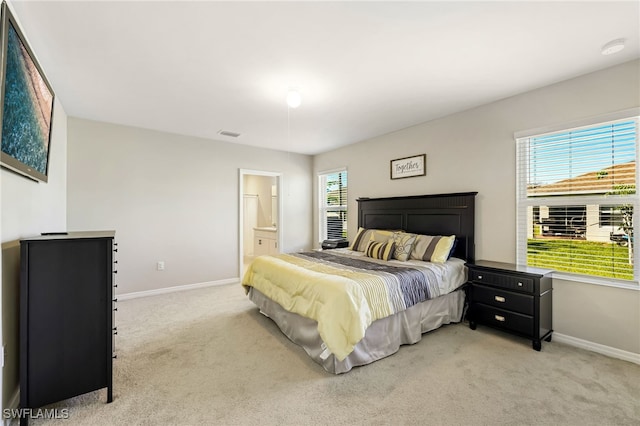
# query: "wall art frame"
408,167
26,104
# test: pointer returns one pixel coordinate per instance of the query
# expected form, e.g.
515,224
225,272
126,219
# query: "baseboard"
598,348
136,294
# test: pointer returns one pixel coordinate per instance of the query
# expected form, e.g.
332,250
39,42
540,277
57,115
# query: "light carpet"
208,357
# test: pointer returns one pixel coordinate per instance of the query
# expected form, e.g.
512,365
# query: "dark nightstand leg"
472,325
548,339
537,345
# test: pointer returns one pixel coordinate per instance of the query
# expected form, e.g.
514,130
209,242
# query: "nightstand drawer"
518,302
504,319
502,280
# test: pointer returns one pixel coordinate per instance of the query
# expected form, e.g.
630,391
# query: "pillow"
453,248
382,251
404,244
361,240
363,236
380,235
435,249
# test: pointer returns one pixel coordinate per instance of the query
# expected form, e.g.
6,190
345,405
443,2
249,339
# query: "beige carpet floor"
207,357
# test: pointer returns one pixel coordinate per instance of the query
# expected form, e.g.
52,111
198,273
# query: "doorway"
260,210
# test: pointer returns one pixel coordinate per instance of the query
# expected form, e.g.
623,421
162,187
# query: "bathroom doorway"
260,210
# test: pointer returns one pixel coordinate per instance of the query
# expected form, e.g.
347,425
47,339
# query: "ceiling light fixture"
614,46
293,98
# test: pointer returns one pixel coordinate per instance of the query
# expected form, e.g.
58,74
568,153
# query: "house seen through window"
333,205
577,199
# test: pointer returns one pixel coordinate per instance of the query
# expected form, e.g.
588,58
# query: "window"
611,216
333,204
577,199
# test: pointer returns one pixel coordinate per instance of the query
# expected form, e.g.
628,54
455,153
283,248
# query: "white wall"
475,151
261,186
174,198
28,208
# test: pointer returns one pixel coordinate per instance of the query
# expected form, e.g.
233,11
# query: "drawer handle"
519,284
499,318
479,277
500,299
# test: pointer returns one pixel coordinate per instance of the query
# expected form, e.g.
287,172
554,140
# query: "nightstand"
513,298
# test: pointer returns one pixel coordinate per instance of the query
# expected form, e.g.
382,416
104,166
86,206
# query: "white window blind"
333,205
577,199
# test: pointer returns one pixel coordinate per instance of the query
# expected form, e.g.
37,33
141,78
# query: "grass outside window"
581,257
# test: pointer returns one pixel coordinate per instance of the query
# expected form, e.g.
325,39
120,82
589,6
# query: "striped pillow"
365,235
361,240
383,251
436,249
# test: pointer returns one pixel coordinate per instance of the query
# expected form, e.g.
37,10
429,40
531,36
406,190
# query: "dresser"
66,316
513,298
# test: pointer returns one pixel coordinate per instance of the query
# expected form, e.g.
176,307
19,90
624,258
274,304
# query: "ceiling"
363,68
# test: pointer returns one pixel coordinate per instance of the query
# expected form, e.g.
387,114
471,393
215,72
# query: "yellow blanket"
344,301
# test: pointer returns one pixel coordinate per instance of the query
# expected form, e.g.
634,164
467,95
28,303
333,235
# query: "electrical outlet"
160,265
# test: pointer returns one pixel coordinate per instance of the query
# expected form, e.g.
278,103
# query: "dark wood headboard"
438,214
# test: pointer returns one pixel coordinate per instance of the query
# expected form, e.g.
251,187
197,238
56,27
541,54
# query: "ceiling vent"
228,133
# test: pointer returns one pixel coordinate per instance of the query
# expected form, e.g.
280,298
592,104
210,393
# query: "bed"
350,307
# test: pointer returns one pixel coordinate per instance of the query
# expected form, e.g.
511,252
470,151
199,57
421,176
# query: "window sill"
607,282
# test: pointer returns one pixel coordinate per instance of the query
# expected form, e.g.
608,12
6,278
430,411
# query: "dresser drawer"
502,280
503,299
504,319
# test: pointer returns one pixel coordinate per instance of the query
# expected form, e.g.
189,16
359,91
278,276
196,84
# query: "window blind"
576,195
333,205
